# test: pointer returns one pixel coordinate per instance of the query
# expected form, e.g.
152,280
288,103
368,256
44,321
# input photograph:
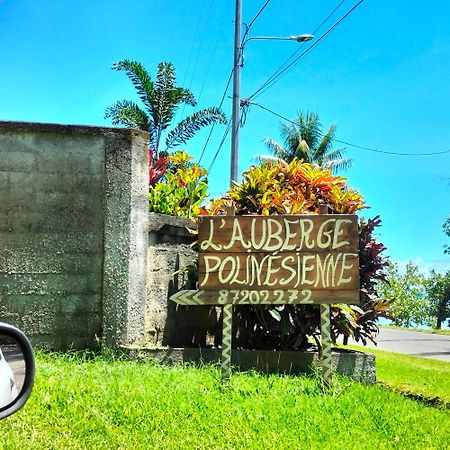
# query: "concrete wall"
73,233
169,250
356,365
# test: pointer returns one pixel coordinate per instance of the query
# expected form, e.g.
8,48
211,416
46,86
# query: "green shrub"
180,189
300,188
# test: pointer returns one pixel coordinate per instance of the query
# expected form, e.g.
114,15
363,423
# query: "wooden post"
326,343
227,330
227,333
325,329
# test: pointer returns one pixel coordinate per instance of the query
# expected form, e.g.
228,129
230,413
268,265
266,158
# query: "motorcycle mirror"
16,369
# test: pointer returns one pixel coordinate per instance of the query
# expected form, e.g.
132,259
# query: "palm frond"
167,96
276,149
338,164
291,138
129,114
264,158
309,125
139,77
323,149
187,128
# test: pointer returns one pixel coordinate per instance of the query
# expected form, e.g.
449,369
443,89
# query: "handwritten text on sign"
317,252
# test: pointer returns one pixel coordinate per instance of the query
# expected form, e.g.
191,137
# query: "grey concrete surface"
434,346
356,365
73,233
169,252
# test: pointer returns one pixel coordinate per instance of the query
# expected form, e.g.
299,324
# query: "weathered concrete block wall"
73,232
169,250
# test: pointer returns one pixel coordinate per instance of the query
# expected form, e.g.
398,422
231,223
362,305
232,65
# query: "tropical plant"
157,169
407,292
181,187
446,228
438,292
161,99
278,187
295,188
361,321
304,139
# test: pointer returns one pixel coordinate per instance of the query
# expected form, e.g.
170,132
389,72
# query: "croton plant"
177,186
300,188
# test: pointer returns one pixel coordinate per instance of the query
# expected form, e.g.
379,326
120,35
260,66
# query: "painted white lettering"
273,235
307,268
306,226
344,267
212,263
236,236
285,265
323,231
287,246
205,245
271,270
225,275
339,232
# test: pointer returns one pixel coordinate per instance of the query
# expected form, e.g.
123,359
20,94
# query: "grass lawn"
105,403
419,376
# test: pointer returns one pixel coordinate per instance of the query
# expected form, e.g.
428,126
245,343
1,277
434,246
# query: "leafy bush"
289,188
438,292
296,188
410,305
179,186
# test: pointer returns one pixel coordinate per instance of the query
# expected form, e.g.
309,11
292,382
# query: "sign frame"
290,245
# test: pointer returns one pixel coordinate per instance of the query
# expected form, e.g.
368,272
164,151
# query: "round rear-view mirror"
16,369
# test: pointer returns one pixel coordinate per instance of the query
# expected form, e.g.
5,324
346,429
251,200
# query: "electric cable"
247,30
285,63
258,14
213,125
273,79
354,145
220,146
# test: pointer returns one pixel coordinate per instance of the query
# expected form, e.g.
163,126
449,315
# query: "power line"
247,30
220,106
281,68
220,146
257,15
354,145
324,21
278,74
213,53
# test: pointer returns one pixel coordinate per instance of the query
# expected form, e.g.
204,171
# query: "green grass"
423,377
445,332
119,404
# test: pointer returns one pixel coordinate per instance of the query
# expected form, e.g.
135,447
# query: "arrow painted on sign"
261,297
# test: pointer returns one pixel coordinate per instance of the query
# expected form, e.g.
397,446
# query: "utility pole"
234,169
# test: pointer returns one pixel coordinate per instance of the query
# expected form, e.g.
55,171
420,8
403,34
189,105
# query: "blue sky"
382,76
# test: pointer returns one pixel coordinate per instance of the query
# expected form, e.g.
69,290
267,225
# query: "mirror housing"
23,368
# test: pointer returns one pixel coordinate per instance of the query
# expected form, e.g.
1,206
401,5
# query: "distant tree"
446,228
438,291
410,305
305,140
161,99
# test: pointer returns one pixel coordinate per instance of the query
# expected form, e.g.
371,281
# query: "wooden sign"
314,257
301,259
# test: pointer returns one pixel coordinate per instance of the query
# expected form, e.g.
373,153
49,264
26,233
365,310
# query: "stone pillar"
126,237
73,233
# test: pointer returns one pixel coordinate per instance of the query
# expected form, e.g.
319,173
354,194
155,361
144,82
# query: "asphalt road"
434,346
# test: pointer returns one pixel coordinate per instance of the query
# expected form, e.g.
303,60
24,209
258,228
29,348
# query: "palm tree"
161,99
303,139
